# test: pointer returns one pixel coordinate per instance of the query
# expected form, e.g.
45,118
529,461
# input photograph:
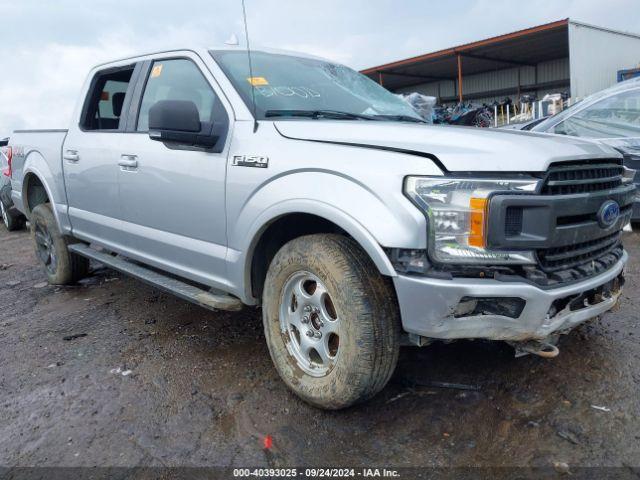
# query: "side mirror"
178,121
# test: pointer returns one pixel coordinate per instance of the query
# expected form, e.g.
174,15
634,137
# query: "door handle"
128,161
71,156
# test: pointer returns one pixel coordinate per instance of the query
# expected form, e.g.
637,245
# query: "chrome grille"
563,258
583,178
566,179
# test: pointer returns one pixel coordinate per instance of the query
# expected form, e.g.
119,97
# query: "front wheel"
331,321
61,266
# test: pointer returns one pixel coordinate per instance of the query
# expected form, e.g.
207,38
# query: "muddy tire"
61,266
331,321
11,220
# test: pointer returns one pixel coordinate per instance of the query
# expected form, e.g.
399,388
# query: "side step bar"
211,299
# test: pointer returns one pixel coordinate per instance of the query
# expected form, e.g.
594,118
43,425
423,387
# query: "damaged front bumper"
432,307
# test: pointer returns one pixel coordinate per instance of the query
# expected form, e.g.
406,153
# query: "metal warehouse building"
562,56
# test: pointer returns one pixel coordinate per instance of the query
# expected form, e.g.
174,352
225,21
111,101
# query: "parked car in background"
312,191
528,125
612,117
11,217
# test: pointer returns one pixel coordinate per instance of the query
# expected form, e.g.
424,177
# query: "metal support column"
460,78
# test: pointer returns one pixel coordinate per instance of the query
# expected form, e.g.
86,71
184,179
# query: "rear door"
89,165
172,197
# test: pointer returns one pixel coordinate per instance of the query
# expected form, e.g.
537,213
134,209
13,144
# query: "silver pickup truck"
303,187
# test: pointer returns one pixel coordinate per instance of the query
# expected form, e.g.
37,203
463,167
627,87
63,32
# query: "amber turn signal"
477,220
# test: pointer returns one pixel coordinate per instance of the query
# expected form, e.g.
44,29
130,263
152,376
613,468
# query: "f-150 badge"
251,161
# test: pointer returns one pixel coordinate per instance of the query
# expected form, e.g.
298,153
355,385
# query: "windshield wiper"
316,114
401,118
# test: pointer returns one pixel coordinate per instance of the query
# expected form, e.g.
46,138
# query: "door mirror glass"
179,121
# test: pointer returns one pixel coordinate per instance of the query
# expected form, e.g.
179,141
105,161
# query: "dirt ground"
115,373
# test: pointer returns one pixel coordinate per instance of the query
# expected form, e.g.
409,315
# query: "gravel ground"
114,373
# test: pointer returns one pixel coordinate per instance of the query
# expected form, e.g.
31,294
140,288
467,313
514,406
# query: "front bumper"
427,306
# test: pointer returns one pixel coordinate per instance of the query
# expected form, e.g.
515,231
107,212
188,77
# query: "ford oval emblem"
608,213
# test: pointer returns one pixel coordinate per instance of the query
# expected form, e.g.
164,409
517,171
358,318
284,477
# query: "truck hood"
456,148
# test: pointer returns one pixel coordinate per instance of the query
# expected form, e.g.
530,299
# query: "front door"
172,197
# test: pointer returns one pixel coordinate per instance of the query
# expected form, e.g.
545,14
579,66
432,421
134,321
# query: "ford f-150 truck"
296,184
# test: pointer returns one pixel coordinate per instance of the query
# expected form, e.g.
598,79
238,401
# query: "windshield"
617,116
592,104
290,86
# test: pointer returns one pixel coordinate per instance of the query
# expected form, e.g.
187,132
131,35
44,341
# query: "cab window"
105,99
177,79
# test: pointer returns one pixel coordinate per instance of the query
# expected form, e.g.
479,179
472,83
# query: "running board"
211,299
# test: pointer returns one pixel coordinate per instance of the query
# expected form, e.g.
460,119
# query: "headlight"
457,210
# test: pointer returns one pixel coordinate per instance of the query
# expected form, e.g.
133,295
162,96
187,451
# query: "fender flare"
328,212
34,167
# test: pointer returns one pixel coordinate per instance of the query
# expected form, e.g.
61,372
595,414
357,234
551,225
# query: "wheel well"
35,193
279,232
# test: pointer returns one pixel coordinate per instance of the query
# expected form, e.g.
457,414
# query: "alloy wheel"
309,324
45,248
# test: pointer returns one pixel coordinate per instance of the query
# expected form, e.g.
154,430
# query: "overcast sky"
47,47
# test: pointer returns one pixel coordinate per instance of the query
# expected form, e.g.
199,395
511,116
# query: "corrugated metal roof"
527,47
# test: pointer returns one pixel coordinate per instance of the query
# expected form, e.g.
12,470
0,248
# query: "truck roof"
203,51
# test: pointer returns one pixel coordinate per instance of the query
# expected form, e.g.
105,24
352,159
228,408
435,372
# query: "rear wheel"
11,220
61,266
331,321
